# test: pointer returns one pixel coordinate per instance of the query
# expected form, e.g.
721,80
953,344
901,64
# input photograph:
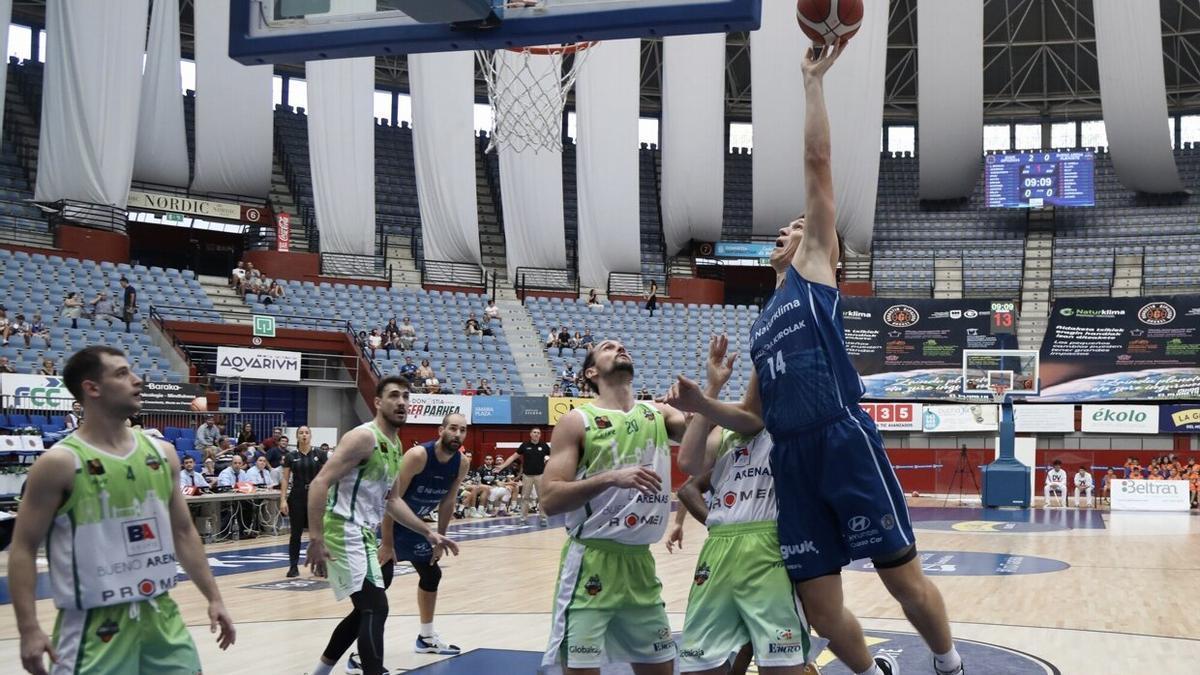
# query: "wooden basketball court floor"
1037,591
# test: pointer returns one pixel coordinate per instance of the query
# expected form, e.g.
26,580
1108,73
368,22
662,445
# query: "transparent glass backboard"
1016,370
294,31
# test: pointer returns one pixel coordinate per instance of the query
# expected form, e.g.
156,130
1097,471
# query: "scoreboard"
1023,180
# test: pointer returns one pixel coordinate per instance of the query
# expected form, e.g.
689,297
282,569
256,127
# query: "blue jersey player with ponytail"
839,499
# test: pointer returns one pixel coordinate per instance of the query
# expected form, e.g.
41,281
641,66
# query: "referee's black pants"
297,502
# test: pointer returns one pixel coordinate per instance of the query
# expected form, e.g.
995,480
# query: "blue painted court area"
1021,520
911,653
975,564
276,556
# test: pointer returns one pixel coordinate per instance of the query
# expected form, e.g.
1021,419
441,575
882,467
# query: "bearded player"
847,503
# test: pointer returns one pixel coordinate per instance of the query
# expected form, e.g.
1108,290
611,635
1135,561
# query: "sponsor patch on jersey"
603,422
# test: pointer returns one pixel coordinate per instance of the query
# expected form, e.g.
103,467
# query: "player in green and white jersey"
105,501
610,472
350,496
741,592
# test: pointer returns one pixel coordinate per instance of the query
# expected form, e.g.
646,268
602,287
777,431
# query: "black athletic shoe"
886,663
293,572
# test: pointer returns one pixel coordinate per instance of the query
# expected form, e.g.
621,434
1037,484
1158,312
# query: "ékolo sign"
1120,419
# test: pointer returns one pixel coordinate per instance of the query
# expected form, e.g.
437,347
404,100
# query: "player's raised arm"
820,245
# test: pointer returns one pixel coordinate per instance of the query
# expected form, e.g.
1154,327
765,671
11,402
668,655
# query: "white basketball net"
528,91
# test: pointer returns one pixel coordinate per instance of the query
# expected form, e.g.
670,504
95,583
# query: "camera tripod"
961,472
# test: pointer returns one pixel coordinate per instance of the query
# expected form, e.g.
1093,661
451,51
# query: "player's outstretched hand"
33,646
318,556
685,395
218,617
815,66
674,537
720,366
442,544
640,478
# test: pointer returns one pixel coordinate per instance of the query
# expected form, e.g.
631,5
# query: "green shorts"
608,608
355,556
137,637
741,593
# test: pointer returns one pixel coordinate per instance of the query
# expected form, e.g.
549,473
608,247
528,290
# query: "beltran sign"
1150,495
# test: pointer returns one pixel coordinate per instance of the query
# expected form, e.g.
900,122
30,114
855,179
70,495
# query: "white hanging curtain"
341,150
1133,94
531,183
777,110
854,96
90,100
693,139
950,96
162,155
606,98
5,20
443,108
234,141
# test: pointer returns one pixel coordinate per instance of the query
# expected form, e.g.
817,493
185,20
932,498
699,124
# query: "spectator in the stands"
594,299
274,292
391,337
409,369
408,335
564,339
277,452
374,341
260,474
468,390
207,433
551,338
557,391
576,340
3,321
472,327
567,377
129,304
48,367
652,297
237,276
209,470
492,312
246,435
426,376
71,423
644,394
252,273
37,328
16,326
102,308
484,388
276,434
5,366
73,308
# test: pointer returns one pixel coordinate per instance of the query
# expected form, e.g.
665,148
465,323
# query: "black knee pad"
370,598
893,560
430,576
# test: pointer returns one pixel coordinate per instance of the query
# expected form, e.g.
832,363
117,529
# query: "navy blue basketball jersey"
799,353
427,488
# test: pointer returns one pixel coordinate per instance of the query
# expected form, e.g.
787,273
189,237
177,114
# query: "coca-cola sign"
283,232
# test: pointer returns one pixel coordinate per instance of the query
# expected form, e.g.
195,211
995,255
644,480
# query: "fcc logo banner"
258,364
1120,419
34,392
1151,495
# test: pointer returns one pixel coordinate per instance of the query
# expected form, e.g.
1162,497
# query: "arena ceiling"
1039,60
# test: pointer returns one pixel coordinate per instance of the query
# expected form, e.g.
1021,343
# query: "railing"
180,348
201,314
16,228
95,216
543,279
622,283
446,273
355,265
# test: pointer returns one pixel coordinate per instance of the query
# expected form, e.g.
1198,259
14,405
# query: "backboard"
1016,370
294,31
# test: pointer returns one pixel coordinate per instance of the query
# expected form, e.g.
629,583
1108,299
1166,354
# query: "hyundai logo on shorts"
858,523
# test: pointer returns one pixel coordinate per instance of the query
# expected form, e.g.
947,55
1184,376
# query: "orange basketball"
828,21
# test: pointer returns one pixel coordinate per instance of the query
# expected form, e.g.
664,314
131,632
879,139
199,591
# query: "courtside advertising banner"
1150,495
34,392
258,364
1052,418
491,410
528,410
894,416
1119,419
1122,349
433,408
173,397
960,418
912,349
559,406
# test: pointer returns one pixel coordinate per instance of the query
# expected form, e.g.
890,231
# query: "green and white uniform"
740,591
608,605
112,561
353,511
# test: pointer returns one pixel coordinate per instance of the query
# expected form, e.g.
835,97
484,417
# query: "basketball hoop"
527,108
